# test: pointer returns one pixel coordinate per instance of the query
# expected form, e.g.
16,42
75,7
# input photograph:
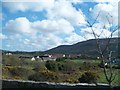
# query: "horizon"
43,25
56,46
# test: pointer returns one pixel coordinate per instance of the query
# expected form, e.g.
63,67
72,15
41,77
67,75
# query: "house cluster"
65,55
47,57
8,54
41,58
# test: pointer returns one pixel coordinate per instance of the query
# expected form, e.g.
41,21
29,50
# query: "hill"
86,47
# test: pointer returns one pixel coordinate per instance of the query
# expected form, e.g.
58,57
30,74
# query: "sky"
39,25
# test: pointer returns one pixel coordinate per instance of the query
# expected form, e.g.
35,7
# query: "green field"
65,70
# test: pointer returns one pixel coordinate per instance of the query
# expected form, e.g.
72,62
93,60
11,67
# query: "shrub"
69,66
89,77
10,60
60,67
61,59
6,71
71,80
51,65
20,72
17,78
39,66
15,72
44,76
88,66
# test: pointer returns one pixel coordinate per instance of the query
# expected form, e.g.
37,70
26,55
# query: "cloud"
55,9
101,33
20,25
64,9
108,12
39,34
107,18
73,38
24,26
103,1
1,16
22,0
2,36
60,26
27,5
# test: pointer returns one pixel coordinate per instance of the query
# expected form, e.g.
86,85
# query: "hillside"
86,47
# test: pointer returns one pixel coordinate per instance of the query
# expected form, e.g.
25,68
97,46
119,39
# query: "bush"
17,78
44,76
14,72
39,66
61,59
20,72
88,66
71,80
89,77
10,60
51,65
69,66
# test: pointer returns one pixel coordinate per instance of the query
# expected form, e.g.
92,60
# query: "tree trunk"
110,85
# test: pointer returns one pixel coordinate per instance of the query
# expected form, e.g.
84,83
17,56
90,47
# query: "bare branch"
109,76
96,18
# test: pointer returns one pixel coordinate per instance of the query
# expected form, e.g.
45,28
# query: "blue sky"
38,25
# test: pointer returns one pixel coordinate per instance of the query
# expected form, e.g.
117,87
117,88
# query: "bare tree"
104,51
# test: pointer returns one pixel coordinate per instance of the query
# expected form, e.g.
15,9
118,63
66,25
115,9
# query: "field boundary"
32,84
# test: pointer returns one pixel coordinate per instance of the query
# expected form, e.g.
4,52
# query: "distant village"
54,57
47,57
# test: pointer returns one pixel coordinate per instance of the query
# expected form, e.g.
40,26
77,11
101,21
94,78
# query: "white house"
32,59
8,53
37,57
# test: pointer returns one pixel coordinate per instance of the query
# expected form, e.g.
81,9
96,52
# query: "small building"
45,57
63,55
8,54
37,57
33,59
98,57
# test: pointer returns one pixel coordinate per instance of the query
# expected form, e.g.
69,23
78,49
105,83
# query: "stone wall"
33,84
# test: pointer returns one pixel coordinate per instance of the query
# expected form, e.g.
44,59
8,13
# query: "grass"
80,61
28,67
116,81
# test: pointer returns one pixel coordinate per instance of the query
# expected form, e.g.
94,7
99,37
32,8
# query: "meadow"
61,70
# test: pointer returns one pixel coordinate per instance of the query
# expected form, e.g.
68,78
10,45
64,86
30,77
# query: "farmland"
61,70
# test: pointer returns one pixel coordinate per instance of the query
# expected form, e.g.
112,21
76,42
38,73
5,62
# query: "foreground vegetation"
61,70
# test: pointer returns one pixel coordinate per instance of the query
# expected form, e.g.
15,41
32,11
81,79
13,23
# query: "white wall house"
32,59
8,53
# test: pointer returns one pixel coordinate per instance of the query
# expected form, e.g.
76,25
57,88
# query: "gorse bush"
71,80
51,65
10,60
67,66
18,71
88,66
89,77
17,78
39,66
44,76
15,72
